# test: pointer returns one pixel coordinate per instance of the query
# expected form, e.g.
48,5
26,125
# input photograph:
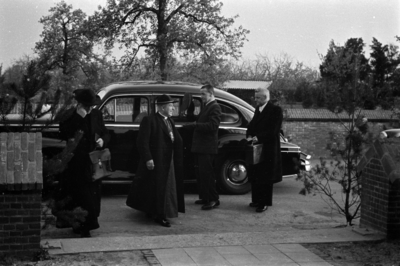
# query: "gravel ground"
383,253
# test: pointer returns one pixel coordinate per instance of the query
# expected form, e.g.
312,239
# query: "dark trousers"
262,193
205,176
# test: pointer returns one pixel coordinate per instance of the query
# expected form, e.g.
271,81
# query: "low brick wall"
380,196
312,137
20,221
309,128
21,186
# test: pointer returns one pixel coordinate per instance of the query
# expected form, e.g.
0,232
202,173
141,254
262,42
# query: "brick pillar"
380,196
21,186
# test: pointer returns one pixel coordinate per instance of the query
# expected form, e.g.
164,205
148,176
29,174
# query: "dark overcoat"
266,126
149,186
77,179
205,135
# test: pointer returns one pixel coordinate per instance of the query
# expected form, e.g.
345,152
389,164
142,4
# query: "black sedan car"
124,105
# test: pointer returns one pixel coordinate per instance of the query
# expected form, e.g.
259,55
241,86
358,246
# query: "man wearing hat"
77,181
158,186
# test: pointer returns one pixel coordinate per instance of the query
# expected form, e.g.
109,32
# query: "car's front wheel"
233,176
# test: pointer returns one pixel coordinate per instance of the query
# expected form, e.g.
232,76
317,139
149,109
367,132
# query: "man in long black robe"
158,186
265,128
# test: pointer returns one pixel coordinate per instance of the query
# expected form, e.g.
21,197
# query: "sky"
302,29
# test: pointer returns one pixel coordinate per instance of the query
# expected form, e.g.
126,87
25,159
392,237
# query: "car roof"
167,87
392,130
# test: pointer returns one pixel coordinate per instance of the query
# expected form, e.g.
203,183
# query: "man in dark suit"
159,191
205,147
265,128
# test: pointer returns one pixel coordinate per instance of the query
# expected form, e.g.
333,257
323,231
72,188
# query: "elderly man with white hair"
265,128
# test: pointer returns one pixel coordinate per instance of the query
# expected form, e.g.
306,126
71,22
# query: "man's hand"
150,164
189,125
99,143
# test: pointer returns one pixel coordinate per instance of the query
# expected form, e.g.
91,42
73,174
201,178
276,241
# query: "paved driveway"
290,211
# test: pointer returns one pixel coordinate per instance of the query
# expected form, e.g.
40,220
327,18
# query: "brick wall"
380,182
375,198
309,128
20,192
20,221
312,137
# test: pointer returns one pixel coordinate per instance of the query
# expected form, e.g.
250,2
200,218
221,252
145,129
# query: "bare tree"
162,28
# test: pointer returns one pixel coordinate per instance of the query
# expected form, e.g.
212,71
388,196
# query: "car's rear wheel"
233,178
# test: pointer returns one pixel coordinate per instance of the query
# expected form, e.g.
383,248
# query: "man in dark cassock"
157,188
265,128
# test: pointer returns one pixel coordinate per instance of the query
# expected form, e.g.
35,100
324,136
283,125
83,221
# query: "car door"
122,116
187,116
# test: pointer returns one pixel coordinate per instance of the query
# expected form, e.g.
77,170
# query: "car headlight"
306,165
307,156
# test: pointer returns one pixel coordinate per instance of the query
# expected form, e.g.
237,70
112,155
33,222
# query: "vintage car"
124,104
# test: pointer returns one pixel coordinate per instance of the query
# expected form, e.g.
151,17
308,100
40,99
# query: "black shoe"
85,234
210,205
60,223
262,208
253,204
162,222
200,202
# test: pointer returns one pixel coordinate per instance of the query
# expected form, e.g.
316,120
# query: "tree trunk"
162,39
24,113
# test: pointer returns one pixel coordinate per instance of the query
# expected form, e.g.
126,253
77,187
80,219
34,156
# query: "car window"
190,114
197,106
228,114
194,108
246,114
125,109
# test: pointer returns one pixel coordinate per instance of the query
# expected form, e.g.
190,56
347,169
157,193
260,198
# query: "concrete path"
279,255
254,248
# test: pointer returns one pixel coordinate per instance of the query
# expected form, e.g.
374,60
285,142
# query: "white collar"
261,108
209,101
165,117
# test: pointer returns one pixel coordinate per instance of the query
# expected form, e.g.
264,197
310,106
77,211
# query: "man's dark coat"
266,126
149,186
205,135
77,181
